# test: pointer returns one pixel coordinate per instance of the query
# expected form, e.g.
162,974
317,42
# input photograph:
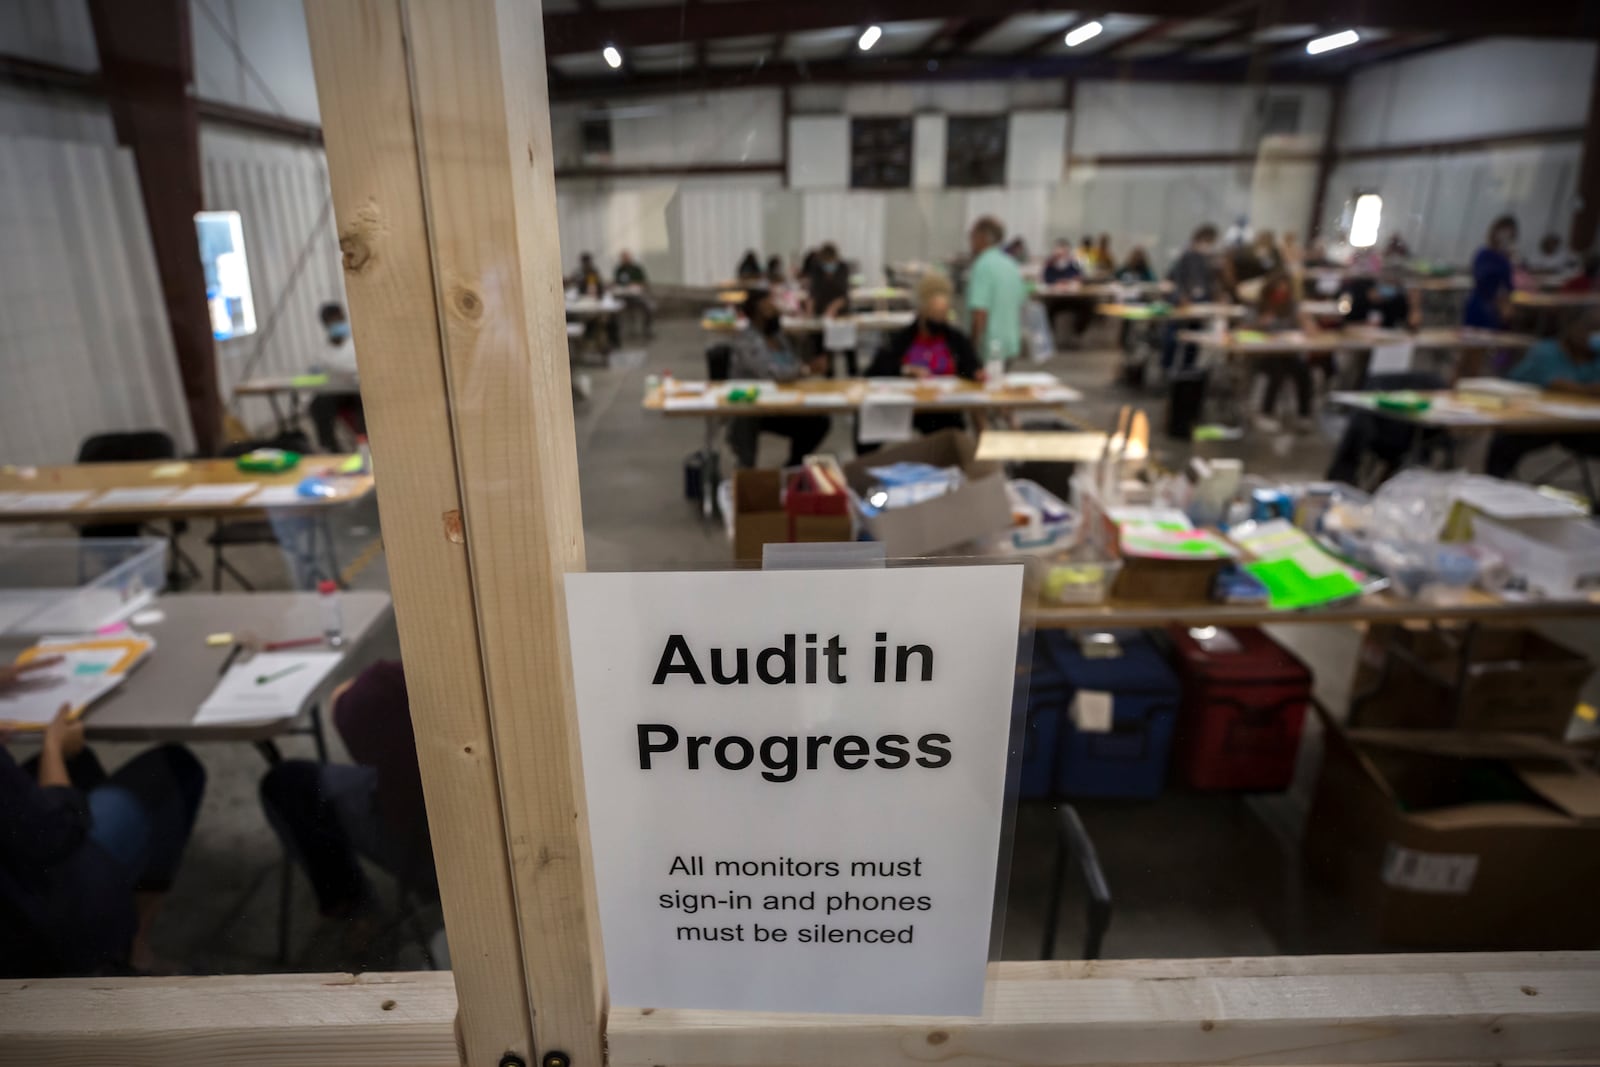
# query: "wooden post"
438,133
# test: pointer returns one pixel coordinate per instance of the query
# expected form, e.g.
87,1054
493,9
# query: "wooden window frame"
438,136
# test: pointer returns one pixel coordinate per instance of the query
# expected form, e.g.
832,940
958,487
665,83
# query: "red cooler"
1244,702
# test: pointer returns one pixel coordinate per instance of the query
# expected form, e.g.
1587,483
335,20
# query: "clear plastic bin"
72,586
1557,557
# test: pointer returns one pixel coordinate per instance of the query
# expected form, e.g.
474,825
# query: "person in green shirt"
995,294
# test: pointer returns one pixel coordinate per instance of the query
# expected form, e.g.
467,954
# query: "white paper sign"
1391,359
885,417
1091,711
813,824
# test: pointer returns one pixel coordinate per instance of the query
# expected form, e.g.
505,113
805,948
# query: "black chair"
719,358
137,446
265,532
1073,845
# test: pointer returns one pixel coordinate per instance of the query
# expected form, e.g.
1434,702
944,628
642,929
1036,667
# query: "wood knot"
467,303
938,1037
355,251
387,1005
1207,1025
1529,991
453,531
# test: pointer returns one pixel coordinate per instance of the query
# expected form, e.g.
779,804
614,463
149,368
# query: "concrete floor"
1191,875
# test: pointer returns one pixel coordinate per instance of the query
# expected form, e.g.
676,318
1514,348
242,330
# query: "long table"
1545,413
870,321
294,387
159,699
831,396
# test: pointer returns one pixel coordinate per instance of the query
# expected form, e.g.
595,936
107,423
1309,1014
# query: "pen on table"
275,675
233,654
293,642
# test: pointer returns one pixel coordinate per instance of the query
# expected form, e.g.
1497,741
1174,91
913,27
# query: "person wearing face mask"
762,352
1489,304
1196,279
1277,311
1569,364
1380,301
931,347
338,361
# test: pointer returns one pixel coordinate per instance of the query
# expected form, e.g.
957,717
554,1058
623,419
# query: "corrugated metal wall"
281,193
84,345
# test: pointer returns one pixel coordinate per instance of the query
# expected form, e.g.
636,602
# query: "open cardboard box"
977,509
1447,839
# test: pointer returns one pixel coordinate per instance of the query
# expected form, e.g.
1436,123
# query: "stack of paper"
63,501
224,493
272,685
89,669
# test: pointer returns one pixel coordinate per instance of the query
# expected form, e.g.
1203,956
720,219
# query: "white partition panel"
852,220
713,227
84,344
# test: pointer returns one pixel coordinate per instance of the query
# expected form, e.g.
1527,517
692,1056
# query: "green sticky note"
1288,585
307,381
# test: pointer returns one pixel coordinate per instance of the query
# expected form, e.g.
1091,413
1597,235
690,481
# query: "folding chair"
138,446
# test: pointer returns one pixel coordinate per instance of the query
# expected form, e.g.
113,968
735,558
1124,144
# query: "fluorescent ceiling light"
1332,41
869,37
1080,34
1364,223
613,57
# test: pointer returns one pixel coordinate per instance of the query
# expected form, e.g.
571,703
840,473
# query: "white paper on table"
1091,711
1063,393
826,400
700,402
1029,380
82,677
778,396
134,497
1453,414
61,501
885,418
6,499
1391,359
291,677
838,335
225,493
278,496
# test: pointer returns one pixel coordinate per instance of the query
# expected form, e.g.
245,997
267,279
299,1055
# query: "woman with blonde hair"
931,347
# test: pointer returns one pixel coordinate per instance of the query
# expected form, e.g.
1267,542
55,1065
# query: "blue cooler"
1048,695
1130,759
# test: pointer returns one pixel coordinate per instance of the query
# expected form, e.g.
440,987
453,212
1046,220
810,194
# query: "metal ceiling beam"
1155,31
579,31
1045,40
915,68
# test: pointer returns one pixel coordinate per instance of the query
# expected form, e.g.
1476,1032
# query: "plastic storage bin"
1128,758
72,586
1558,557
1242,712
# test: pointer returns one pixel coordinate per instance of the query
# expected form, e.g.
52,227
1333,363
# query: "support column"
1586,217
146,64
437,126
1326,161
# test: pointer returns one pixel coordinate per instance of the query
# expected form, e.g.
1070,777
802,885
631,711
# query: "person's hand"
64,735
13,673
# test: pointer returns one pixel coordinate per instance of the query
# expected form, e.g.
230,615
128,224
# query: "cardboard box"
1454,840
977,509
1516,680
758,515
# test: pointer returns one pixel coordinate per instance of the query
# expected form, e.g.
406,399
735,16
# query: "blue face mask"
1388,292
338,331
1594,341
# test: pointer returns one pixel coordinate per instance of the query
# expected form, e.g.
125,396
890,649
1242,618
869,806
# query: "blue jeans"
143,814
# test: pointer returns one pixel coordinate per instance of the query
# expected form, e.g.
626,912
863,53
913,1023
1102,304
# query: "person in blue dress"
1489,303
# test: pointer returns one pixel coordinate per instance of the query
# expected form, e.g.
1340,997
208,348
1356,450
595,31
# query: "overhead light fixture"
1332,41
613,57
1079,34
869,37
1364,221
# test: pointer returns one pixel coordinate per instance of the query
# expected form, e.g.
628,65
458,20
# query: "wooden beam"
1513,1009
1045,40
1157,29
146,64
440,159
1585,221
1552,135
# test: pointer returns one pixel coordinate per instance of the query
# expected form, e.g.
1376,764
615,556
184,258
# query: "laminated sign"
795,782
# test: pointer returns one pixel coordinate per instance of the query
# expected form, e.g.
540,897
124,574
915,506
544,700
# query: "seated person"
329,813
630,274
338,360
1380,301
749,269
1196,278
589,284
1569,364
1277,311
776,274
931,347
1136,268
85,857
761,351
1062,266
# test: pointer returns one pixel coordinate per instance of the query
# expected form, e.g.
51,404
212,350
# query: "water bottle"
994,368
332,613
